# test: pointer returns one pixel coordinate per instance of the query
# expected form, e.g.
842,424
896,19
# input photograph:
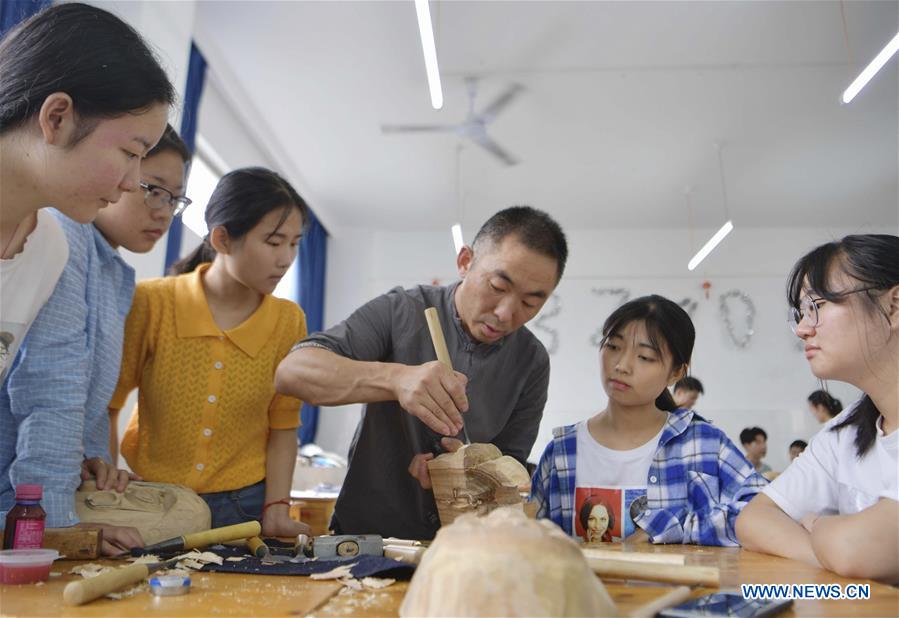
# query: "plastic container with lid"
25,521
26,566
170,585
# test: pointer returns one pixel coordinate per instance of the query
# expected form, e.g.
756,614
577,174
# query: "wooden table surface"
228,594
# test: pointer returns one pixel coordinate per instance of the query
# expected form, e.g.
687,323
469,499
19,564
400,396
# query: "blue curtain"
311,296
14,11
196,77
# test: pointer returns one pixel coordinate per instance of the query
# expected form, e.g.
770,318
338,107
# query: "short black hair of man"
534,228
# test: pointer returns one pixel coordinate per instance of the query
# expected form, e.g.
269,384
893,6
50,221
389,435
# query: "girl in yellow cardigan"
202,348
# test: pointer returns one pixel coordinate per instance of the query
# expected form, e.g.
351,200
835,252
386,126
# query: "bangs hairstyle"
669,328
870,260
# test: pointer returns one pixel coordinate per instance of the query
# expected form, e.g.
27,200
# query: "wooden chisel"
202,539
439,341
80,592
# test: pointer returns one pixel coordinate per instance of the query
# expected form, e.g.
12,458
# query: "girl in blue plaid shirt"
642,468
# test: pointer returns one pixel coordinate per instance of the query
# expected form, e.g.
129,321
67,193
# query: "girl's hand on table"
276,521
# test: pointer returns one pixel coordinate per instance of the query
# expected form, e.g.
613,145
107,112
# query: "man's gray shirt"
507,384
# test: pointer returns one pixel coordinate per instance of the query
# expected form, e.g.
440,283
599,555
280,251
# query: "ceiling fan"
474,127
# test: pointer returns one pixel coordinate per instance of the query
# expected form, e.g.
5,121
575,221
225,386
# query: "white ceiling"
624,103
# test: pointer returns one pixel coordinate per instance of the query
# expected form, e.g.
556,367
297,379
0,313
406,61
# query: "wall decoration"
553,309
689,305
740,340
623,295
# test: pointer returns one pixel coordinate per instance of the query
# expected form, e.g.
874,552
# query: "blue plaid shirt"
698,483
53,404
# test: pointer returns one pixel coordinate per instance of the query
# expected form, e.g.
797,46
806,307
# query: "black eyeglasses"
157,197
808,308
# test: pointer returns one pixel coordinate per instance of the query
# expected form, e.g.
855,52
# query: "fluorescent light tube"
871,70
430,51
457,237
710,246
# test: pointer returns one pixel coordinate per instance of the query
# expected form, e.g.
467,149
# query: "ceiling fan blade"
492,111
493,148
417,128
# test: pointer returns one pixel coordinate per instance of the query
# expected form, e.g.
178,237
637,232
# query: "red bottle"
25,521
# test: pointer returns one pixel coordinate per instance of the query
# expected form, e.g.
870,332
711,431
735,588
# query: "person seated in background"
796,448
755,443
687,391
824,406
838,505
644,468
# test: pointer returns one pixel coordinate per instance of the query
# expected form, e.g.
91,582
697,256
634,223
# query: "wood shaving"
145,559
89,570
39,584
130,592
196,559
235,558
351,583
375,583
55,574
336,573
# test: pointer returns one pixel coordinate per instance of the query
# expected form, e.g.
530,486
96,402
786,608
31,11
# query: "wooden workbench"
226,594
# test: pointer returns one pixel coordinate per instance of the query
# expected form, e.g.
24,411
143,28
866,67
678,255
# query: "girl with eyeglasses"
838,505
82,100
202,347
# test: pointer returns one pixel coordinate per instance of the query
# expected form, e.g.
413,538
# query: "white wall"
765,383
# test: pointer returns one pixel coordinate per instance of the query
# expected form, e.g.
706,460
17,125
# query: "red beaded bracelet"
281,501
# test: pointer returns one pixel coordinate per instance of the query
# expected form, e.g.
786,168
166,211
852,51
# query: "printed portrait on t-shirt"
607,513
597,514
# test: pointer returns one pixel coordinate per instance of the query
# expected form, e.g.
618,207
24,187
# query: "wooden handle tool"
85,590
439,341
654,572
202,539
641,557
258,547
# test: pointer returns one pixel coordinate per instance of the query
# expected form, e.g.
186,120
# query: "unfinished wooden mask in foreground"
505,564
477,478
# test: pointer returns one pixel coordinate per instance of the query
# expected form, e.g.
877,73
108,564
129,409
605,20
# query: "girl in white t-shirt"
82,100
837,505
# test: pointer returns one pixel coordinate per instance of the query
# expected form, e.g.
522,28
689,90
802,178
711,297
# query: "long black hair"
827,401
240,200
90,54
666,322
873,261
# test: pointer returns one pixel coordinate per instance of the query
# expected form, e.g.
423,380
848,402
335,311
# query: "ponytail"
665,402
864,418
202,254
